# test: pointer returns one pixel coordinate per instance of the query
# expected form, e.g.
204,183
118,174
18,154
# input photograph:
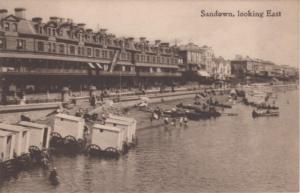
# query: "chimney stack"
165,44
55,19
157,42
142,39
37,19
20,13
3,13
89,30
81,25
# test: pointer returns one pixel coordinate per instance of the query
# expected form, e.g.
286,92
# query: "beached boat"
203,113
264,113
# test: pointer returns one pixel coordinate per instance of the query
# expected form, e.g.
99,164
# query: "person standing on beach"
185,121
180,121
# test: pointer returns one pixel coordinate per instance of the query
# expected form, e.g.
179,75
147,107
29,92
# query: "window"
111,54
54,32
97,53
104,53
14,27
53,47
41,30
79,50
6,26
2,43
49,31
128,56
61,48
89,51
82,51
72,49
21,44
40,46
49,47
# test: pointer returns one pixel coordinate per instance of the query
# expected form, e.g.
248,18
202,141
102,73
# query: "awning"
91,65
99,66
203,73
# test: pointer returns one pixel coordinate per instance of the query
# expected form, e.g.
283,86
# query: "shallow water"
228,154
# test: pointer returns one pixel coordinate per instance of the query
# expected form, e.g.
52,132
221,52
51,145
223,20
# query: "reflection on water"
235,153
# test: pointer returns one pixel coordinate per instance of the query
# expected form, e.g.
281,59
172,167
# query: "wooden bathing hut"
131,127
39,134
122,125
21,145
7,140
107,139
68,125
68,133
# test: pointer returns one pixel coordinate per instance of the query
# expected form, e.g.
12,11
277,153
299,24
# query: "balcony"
116,73
160,74
42,71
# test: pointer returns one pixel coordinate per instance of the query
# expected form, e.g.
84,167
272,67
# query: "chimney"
81,25
89,30
62,20
157,42
55,19
37,19
3,13
20,13
165,44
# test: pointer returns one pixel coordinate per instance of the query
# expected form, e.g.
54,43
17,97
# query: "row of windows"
79,50
155,59
53,47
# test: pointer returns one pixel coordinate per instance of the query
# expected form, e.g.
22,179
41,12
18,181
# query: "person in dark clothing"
53,177
93,101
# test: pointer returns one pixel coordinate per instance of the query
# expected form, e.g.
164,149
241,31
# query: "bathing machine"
21,145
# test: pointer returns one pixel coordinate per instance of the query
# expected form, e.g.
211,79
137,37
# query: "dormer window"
53,32
6,26
14,27
41,30
49,31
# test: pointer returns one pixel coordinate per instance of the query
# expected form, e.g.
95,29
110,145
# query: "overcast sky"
274,39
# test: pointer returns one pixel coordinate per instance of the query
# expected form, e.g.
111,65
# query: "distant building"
251,67
223,68
196,58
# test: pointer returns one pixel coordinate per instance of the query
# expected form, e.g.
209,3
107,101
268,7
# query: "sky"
269,38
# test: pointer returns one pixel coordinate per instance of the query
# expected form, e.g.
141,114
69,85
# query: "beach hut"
120,124
131,126
68,125
107,137
7,139
21,144
39,134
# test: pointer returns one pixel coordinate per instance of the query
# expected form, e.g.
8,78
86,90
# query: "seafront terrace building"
259,68
197,60
45,56
250,67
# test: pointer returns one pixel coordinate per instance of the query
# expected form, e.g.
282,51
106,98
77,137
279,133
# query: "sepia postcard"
166,96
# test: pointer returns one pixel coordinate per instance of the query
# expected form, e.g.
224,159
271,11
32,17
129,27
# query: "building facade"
197,59
60,52
223,69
